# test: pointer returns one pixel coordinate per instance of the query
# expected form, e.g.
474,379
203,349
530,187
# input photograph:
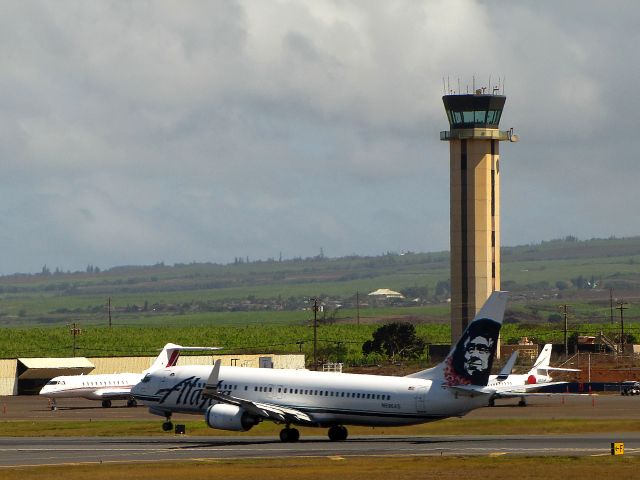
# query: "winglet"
211,387
506,369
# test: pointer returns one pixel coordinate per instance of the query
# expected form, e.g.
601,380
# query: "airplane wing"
509,391
264,410
523,390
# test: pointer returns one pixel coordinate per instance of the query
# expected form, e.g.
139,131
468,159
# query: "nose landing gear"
167,426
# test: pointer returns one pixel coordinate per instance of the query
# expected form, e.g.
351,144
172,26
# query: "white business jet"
237,398
110,386
511,385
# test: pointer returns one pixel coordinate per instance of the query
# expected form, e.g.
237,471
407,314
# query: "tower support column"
475,202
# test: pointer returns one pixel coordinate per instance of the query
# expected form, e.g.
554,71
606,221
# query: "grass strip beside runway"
347,468
454,426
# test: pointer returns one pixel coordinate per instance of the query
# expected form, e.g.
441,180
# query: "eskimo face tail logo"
473,356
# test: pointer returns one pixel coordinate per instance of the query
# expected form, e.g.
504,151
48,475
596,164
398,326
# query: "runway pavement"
73,450
17,452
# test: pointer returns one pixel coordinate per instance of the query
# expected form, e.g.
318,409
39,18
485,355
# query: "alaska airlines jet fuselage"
327,398
236,398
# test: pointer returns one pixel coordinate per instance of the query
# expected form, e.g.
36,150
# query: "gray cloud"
134,132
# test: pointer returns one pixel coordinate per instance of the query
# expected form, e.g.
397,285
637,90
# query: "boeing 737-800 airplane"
110,386
237,398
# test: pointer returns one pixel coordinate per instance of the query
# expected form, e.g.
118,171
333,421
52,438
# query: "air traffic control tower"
475,201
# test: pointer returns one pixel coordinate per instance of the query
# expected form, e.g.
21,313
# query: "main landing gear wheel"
522,403
132,402
338,433
106,403
289,435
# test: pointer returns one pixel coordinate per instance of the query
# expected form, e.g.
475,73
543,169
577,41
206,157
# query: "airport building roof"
29,368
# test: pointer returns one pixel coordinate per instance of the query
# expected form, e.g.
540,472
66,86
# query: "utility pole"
611,305
339,350
622,308
75,331
315,333
565,309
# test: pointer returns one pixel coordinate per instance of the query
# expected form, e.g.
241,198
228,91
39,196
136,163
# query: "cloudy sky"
179,131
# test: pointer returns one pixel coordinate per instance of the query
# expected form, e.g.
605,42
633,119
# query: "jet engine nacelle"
229,417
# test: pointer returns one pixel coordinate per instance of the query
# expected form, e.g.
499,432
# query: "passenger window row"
306,391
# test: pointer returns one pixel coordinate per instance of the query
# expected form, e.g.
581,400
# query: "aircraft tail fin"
471,358
541,365
170,353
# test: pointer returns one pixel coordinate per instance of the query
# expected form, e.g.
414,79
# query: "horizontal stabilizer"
559,369
171,352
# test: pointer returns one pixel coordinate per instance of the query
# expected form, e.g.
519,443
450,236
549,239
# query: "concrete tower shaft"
475,202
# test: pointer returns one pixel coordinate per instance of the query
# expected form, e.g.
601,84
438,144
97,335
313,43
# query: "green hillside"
565,270
205,297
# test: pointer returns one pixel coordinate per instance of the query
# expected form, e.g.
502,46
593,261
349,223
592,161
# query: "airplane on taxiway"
512,385
237,398
110,386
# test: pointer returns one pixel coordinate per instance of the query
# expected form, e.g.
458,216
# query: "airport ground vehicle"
630,388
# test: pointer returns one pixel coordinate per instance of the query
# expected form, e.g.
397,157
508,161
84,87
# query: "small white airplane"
511,385
237,398
110,386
